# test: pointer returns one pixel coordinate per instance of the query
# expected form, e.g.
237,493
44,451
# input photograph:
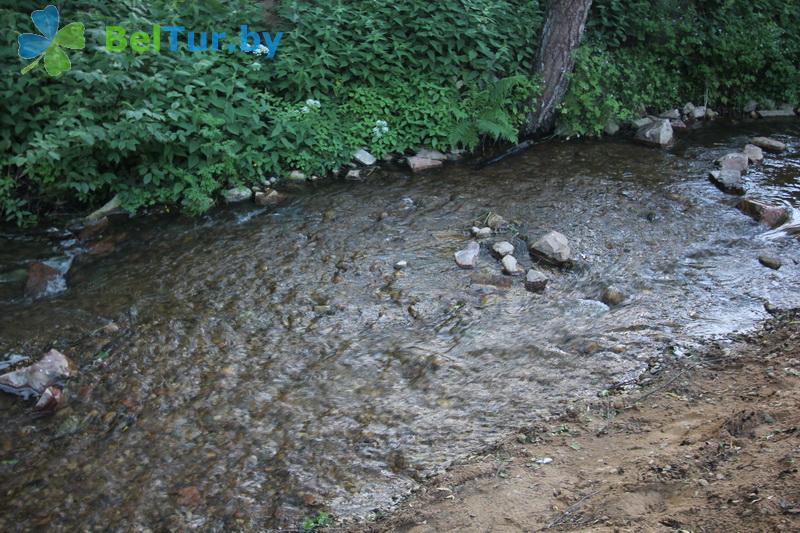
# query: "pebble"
770,261
503,248
612,296
481,233
400,265
468,257
510,265
536,281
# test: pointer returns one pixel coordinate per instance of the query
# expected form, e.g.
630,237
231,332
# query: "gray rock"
353,175
776,113
237,194
431,154
553,249
496,222
503,248
770,261
481,233
729,181
754,154
269,197
468,257
688,110
711,114
419,164
770,145
364,158
34,380
641,122
400,265
735,161
510,266
535,281
612,127
699,112
678,125
296,175
659,133
612,296
672,114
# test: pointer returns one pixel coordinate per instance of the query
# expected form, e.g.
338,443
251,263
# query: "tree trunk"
561,36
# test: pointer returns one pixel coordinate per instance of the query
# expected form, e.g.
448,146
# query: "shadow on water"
274,362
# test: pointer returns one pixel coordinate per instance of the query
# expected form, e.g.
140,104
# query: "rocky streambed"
251,368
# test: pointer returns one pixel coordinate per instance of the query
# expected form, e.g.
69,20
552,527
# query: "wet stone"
754,154
510,266
503,248
468,257
481,233
771,215
729,181
770,261
535,281
553,248
768,144
735,161
612,296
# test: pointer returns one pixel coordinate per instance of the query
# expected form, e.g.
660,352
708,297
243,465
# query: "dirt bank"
711,444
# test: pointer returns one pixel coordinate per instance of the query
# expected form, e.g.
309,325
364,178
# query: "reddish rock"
93,229
771,215
39,275
418,164
104,247
269,197
51,400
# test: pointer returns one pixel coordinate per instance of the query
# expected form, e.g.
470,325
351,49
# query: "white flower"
261,50
305,109
381,128
313,103
256,66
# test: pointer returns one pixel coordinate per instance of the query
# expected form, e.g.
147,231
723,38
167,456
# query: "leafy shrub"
664,53
175,128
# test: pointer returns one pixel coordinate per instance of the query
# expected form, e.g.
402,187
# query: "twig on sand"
563,517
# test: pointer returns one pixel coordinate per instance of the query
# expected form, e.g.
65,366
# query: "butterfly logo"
48,46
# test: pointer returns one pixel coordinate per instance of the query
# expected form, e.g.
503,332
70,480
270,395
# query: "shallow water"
271,362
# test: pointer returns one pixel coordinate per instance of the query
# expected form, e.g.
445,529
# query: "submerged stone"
468,257
33,380
728,181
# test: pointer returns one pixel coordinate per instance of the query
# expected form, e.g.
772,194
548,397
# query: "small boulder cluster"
769,110
660,130
551,249
264,195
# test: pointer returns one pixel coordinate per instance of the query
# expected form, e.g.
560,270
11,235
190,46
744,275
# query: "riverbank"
708,445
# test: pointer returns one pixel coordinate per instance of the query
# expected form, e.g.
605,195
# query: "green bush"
662,54
175,128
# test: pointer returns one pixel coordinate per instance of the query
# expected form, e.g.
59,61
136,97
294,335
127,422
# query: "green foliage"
175,128
320,520
664,53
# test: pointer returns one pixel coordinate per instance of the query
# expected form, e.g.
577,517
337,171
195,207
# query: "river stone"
734,161
672,114
496,222
553,248
40,276
612,127
729,181
237,194
754,154
612,296
468,257
364,158
771,215
431,154
481,233
659,133
503,248
678,125
535,281
770,261
419,164
33,380
510,266
770,145
688,109
268,198
699,112
776,113
641,122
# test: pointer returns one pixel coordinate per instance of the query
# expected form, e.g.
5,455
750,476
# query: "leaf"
56,61
71,36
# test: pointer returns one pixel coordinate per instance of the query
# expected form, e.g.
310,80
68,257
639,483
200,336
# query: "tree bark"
561,36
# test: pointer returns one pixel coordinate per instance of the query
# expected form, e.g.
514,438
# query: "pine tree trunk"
561,36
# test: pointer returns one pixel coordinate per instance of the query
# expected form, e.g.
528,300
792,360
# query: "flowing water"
270,363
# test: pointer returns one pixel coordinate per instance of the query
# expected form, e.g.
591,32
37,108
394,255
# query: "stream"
269,363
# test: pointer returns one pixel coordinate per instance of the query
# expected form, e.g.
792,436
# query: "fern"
494,112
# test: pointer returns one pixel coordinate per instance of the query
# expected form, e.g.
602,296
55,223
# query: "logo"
49,46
